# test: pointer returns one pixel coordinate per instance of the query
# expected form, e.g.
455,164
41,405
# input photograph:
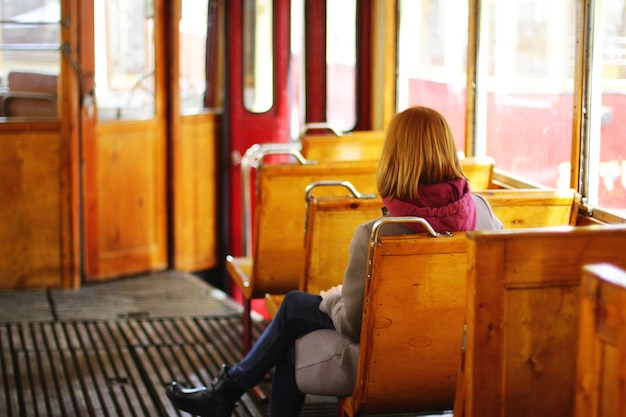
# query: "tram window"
30,58
258,55
193,28
341,64
607,184
525,88
124,49
432,59
297,47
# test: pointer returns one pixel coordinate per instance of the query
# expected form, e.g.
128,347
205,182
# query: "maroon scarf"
447,207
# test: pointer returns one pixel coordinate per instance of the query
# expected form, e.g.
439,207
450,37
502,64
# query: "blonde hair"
419,148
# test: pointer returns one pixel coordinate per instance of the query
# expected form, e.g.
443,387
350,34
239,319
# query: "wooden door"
124,140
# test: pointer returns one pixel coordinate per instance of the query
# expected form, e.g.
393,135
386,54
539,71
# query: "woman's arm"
345,308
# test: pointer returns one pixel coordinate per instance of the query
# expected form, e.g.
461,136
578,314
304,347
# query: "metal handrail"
251,159
320,125
331,183
339,183
378,224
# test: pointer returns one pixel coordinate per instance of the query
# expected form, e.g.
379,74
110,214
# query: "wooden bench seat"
522,317
277,258
601,364
412,325
524,208
331,221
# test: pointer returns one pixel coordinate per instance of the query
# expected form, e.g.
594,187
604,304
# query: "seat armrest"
239,269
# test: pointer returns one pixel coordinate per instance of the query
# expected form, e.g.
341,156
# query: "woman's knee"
299,301
301,298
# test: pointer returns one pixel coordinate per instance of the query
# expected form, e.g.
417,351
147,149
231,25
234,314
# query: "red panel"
315,33
364,65
316,70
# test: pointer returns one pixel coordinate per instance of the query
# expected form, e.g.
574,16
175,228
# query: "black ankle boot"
217,400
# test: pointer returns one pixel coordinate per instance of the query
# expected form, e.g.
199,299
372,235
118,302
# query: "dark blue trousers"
297,315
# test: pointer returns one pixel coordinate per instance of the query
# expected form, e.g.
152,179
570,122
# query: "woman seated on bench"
420,175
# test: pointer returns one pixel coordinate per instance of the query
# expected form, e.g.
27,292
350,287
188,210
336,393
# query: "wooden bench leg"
340,410
256,391
247,326
459,396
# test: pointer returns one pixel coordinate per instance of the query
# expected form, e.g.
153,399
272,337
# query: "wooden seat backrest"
368,145
326,247
355,146
328,238
601,365
412,328
330,224
33,81
522,317
479,171
30,94
524,208
27,104
331,221
278,242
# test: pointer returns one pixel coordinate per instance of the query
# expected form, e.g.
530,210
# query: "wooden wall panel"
30,210
194,193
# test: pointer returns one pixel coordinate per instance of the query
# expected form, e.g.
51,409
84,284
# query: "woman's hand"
333,290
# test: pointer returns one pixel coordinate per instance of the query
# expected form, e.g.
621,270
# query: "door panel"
126,228
124,170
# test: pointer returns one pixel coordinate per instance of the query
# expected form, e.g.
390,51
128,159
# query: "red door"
246,127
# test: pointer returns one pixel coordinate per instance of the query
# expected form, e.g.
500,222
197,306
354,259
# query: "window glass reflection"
258,55
30,57
124,48
341,64
607,179
526,93
193,46
432,52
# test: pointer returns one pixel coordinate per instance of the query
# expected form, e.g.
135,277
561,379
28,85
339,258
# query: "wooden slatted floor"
112,368
109,349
